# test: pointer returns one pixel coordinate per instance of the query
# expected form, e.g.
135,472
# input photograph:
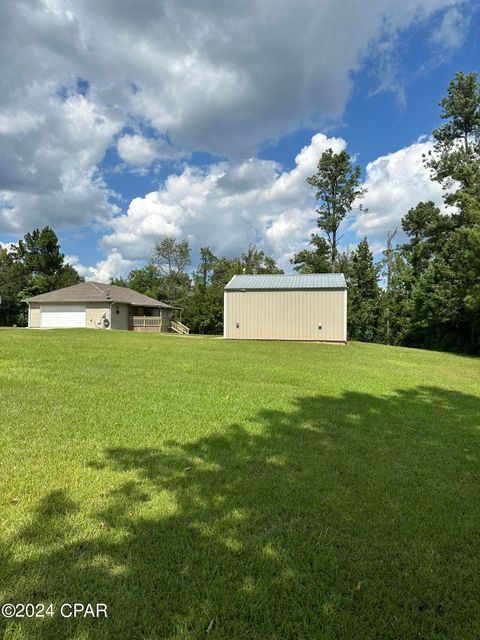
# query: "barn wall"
286,315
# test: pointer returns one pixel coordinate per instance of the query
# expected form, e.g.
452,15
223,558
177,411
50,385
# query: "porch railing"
146,321
178,327
157,323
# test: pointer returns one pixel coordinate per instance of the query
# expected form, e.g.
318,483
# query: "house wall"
94,312
286,315
34,316
120,320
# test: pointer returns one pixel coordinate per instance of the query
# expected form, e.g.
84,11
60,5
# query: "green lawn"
206,488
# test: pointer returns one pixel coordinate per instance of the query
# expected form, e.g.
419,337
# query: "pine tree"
337,186
315,260
364,295
422,224
35,265
455,161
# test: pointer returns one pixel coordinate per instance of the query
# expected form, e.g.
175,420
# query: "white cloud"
113,266
48,169
226,206
19,122
217,76
138,150
452,30
395,182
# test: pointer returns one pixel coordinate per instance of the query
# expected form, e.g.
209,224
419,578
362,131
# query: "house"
286,307
101,306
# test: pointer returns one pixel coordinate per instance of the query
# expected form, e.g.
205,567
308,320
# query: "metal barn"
280,307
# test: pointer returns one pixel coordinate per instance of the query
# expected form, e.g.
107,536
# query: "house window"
117,308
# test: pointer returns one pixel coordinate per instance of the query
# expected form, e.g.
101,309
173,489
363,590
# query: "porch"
157,324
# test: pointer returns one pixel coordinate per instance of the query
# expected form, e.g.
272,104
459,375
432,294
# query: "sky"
124,121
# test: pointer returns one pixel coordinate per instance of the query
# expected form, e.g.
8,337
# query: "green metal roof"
279,282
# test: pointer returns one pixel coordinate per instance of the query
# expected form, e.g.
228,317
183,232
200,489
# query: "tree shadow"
346,517
49,518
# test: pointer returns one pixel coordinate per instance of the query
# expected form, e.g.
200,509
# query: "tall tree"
206,267
12,282
421,225
446,298
35,265
364,295
395,301
455,160
146,280
315,260
39,252
204,311
43,263
337,186
172,257
255,261
387,297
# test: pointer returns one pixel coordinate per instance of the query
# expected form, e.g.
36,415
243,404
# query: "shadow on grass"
350,517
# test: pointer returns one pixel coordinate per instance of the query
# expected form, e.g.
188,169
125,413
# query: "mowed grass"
210,488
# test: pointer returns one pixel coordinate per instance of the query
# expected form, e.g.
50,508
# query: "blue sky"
120,126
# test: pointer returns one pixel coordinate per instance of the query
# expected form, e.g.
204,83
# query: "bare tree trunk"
390,237
334,249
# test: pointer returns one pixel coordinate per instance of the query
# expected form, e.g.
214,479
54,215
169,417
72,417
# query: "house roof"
279,282
98,292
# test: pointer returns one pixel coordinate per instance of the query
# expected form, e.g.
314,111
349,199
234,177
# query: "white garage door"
57,317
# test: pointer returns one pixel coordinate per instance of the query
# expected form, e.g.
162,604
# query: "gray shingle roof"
276,282
98,292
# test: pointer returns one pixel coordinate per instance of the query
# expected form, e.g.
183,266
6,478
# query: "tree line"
423,292
200,293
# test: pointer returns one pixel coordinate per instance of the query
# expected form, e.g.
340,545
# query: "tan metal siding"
285,315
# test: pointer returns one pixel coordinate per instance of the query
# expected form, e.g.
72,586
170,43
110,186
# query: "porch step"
178,327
